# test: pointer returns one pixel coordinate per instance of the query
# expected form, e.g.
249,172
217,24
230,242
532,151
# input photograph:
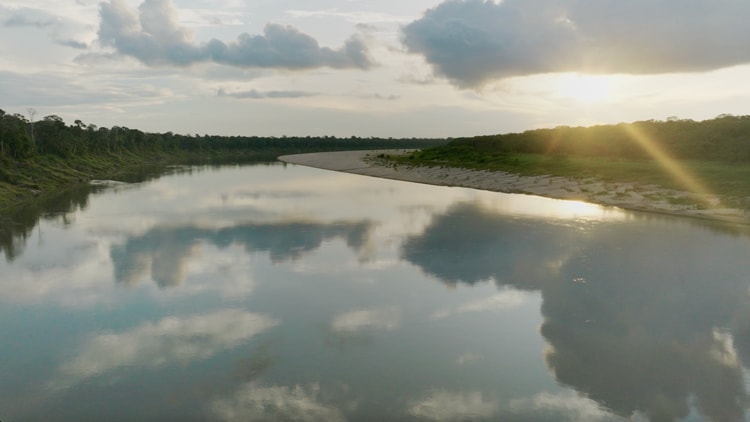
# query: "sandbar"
623,195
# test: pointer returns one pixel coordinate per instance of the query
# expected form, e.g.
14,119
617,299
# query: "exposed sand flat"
623,195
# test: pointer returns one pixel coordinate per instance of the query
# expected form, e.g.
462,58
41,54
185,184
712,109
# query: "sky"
387,68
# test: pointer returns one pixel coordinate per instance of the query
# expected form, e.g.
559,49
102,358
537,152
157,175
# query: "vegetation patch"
713,154
37,157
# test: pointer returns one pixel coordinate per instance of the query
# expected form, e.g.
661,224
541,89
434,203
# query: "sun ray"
671,165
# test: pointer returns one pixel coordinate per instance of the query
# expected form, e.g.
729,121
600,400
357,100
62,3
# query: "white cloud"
169,341
505,300
70,275
444,406
567,406
257,403
386,319
155,37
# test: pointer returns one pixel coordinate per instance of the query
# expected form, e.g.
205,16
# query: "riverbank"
26,180
624,195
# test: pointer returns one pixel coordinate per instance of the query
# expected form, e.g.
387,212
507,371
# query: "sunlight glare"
585,88
671,165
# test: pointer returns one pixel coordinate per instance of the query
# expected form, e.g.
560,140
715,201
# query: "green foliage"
46,154
725,138
22,139
715,152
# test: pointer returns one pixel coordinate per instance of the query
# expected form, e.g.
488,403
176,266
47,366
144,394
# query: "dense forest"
725,138
43,156
22,138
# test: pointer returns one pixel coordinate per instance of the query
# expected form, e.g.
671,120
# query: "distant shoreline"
622,195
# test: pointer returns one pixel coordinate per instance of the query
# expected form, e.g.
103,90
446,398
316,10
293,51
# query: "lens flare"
672,166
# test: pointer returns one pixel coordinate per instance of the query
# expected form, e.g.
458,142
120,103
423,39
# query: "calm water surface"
288,293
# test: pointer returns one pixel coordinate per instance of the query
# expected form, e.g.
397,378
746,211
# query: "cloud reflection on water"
641,321
470,243
165,252
169,341
560,407
446,406
504,300
387,319
254,402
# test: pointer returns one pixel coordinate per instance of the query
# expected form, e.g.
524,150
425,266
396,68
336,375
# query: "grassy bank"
730,181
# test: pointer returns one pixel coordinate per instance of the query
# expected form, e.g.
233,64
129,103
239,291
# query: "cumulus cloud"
474,41
154,37
168,341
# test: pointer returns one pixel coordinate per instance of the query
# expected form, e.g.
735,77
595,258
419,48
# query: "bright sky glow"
388,68
586,88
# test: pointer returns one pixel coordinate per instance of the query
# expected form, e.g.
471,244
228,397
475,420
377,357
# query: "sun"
585,88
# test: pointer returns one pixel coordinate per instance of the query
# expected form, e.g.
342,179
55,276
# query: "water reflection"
643,321
366,319
507,299
328,307
471,243
17,223
170,341
657,320
166,251
254,402
454,406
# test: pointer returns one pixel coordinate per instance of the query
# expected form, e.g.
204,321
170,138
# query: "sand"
623,195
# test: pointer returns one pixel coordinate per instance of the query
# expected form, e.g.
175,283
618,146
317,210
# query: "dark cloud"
257,95
154,37
473,41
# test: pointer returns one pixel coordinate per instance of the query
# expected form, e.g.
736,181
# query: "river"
281,292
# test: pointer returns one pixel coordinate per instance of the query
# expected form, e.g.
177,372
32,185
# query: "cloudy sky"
424,68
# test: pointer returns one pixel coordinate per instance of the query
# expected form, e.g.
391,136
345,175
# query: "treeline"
22,138
725,138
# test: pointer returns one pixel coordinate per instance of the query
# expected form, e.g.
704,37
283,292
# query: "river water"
280,292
